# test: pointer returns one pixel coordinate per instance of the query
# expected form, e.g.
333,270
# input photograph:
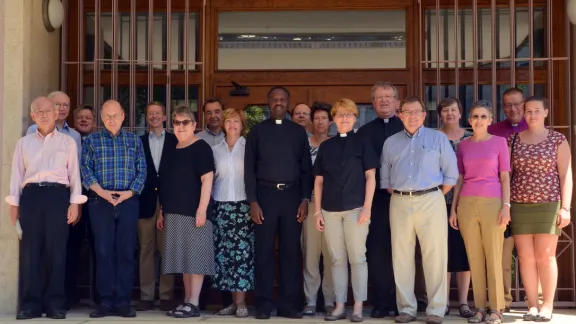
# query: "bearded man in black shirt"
278,179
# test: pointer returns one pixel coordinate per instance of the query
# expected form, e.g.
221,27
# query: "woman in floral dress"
234,230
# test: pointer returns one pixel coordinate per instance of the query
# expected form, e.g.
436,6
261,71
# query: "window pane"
178,41
312,40
442,28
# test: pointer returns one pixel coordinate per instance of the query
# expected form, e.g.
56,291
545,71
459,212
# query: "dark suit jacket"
149,196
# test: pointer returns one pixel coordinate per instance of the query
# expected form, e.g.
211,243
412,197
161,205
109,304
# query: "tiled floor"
561,316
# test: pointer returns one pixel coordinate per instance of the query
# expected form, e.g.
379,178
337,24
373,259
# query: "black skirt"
457,257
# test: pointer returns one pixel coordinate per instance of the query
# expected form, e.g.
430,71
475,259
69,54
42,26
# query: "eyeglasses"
483,117
345,115
411,112
59,105
185,122
515,105
387,98
303,113
112,117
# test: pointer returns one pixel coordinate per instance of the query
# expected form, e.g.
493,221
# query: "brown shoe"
434,319
166,305
144,305
405,318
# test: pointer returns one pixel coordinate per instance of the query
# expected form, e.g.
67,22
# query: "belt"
415,193
275,185
46,184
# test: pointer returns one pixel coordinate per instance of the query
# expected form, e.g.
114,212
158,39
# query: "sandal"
530,316
183,313
174,310
543,318
465,311
242,311
230,310
478,317
494,317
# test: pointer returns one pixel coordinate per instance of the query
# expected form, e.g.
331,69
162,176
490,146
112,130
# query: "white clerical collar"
514,125
343,134
278,121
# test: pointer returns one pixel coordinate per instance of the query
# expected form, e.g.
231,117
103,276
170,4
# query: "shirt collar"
64,127
241,141
152,134
210,132
107,132
417,134
387,120
521,123
52,134
347,134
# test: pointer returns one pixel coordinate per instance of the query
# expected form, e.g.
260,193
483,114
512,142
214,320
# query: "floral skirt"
234,244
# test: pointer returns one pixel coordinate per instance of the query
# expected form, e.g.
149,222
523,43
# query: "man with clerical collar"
278,179
213,133
45,194
62,103
513,104
384,97
418,168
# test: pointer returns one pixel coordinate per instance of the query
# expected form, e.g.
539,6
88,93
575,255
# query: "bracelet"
318,212
566,208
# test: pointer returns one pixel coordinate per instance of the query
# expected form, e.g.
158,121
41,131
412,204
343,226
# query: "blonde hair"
230,113
345,105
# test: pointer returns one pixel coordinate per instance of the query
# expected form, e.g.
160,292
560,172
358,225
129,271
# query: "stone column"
29,67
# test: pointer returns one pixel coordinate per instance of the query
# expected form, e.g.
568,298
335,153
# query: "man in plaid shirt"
113,168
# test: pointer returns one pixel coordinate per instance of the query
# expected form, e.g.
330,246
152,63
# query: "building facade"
184,51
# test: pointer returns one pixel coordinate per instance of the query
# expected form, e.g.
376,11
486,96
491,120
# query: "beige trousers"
150,239
507,259
423,218
314,245
346,240
484,239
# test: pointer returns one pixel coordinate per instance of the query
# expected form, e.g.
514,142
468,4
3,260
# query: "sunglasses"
185,122
483,117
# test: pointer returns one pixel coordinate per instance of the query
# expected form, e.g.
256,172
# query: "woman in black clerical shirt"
344,186
186,215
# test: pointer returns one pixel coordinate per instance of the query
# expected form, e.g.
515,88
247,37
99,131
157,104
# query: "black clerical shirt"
342,161
277,153
376,132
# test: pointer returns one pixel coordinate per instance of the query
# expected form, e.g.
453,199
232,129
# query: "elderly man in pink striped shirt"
45,194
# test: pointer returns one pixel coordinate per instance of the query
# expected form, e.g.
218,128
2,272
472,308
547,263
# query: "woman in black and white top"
313,242
234,229
186,214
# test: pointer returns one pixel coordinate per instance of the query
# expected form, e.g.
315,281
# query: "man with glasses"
418,168
384,97
301,115
62,104
113,167
513,104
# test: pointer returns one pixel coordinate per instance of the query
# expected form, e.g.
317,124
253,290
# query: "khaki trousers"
314,245
484,240
150,239
507,260
346,241
423,218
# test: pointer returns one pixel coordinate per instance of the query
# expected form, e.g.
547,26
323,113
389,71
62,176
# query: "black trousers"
379,255
43,218
280,208
77,234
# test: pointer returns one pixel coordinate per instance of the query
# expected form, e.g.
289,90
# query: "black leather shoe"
125,312
56,314
28,314
290,313
144,305
377,313
261,315
102,311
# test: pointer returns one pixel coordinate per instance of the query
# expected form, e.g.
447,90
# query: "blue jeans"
115,233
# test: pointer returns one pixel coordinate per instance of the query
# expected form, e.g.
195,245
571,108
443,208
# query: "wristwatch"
307,200
507,204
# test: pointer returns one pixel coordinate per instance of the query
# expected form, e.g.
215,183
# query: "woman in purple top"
481,210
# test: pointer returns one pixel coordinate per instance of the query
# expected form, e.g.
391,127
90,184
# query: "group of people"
382,202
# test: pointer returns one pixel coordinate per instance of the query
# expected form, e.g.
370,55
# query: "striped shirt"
114,162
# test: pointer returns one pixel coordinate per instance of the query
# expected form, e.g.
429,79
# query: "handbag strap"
512,155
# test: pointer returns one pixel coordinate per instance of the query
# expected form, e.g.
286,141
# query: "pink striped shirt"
53,158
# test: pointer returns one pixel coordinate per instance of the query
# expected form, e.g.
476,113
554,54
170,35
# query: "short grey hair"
483,104
383,85
184,110
56,93
34,103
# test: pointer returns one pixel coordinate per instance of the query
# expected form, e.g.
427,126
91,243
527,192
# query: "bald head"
112,115
44,114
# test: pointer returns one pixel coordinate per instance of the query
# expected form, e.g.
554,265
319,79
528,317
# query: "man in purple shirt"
513,104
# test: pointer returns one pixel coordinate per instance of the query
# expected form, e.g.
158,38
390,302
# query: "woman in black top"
345,171
186,216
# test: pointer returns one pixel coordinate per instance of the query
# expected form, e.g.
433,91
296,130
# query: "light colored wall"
29,67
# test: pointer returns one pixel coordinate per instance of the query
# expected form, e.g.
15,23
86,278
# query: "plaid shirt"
114,162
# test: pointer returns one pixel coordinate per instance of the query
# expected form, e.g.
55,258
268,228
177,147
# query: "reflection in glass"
312,39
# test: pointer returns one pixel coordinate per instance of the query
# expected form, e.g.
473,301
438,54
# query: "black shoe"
261,315
125,312
377,313
290,313
102,311
56,314
144,305
28,314
166,305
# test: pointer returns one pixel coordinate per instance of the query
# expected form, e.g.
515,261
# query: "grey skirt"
188,249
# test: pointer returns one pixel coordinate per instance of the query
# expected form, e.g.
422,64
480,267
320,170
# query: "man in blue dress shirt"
418,168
